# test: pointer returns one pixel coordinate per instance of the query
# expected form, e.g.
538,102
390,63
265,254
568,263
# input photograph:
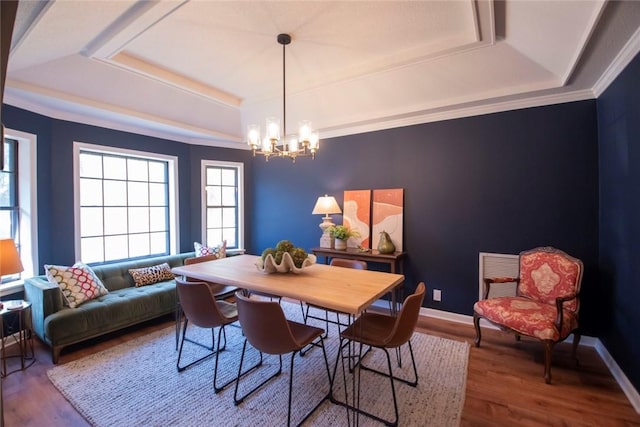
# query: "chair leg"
218,388
412,383
184,338
548,347
238,400
293,354
476,323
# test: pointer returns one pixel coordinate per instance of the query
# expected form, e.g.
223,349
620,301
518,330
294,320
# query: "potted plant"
341,234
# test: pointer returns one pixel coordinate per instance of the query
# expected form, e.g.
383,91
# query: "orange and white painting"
388,206
357,216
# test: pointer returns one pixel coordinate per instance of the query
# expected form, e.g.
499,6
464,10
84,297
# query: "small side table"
15,317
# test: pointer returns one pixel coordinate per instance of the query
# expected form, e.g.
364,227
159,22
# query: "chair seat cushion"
371,329
527,317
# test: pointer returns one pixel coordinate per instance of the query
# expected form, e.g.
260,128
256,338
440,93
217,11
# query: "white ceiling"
201,71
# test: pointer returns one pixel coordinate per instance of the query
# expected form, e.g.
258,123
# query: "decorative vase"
341,245
386,246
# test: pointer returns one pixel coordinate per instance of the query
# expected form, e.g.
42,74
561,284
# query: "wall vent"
497,265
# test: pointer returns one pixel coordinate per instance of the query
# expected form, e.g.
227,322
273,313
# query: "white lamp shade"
9,258
326,205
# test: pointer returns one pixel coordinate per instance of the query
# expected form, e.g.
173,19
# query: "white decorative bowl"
268,265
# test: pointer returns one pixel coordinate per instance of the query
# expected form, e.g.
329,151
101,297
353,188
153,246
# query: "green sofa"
59,326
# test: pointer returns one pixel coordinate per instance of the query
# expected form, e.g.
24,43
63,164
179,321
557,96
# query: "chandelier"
276,142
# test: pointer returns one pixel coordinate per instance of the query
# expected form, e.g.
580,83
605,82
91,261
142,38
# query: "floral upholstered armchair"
546,304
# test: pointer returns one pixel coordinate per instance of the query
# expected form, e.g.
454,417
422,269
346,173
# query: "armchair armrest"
490,280
559,311
45,298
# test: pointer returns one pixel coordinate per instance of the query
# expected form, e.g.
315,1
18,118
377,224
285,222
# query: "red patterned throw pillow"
150,275
220,251
78,283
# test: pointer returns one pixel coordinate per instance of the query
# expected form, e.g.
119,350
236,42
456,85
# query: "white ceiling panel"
200,71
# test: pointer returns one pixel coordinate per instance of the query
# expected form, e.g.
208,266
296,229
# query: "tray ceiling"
201,71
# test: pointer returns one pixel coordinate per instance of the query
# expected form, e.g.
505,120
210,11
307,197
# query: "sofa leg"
55,354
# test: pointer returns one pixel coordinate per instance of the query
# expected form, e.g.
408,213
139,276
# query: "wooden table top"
342,289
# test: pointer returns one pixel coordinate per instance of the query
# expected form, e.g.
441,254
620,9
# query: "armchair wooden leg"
476,323
548,347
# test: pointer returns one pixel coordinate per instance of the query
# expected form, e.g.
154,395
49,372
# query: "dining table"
344,290
339,289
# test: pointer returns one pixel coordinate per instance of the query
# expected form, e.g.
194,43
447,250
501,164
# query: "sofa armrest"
45,298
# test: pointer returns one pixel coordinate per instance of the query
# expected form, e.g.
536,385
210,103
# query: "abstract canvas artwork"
357,216
388,206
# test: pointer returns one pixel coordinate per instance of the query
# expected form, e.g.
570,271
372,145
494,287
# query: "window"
26,228
125,204
223,196
9,206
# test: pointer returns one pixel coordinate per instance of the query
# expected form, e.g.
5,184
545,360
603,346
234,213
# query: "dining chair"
546,305
220,292
384,332
266,328
335,262
203,310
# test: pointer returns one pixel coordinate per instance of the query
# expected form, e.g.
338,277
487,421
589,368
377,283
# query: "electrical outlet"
437,295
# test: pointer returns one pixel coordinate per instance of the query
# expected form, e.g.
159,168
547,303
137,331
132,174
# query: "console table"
394,260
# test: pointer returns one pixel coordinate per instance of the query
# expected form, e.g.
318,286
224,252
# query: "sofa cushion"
220,250
116,275
78,283
152,274
110,312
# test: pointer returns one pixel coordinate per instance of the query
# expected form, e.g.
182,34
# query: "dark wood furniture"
394,260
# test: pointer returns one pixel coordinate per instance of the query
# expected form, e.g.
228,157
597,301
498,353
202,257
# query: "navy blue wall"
619,131
55,176
502,183
499,183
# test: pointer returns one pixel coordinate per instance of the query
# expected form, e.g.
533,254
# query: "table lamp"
326,205
9,259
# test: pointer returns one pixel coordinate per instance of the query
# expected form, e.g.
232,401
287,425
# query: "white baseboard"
621,378
587,341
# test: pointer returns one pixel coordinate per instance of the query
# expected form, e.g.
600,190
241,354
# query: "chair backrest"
349,263
264,325
199,304
407,318
197,259
547,273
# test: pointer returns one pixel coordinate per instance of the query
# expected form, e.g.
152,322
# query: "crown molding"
624,57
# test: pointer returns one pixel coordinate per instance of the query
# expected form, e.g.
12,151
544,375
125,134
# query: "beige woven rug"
137,384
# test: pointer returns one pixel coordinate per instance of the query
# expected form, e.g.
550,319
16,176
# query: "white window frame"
28,199
203,215
174,202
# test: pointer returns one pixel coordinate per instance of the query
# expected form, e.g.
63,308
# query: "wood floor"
505,386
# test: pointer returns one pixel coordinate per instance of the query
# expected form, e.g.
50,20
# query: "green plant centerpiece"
342,233
284,258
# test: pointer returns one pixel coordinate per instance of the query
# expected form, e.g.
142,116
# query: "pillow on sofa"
220,251
78,283
150,275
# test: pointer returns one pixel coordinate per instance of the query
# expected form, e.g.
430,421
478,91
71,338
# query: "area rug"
136,384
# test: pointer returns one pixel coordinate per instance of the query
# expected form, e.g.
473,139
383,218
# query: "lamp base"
326,241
